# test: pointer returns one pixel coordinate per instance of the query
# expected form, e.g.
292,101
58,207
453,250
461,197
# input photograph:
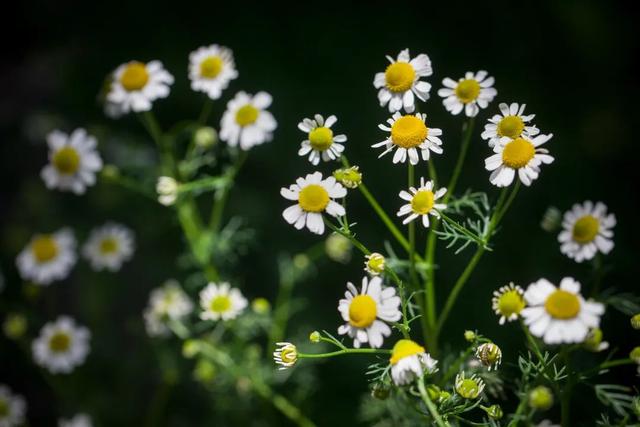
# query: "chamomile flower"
79,420
374,263
61,346
511,122
211,68
469,388
321,142
410,136
168,302
246,121
587,230
109,246
522,155
508,302
366,312
400,83
221,301
409,361
313,195
422,202
560,315
12,408
286,355
136,85
490,355
73,161
48,257
472,92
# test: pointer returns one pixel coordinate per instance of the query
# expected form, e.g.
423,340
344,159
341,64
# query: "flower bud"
489,355
338,248
14,326
380,391
190,348
469,336
635,355
551,219
349,177
494,412
635,321
205,137
167,189
469,388
260,306
314,337
374,264
541,398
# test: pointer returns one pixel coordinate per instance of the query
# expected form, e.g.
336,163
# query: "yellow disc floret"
321,138
221,304
134,77
409,131
59,342
586,229
66,160
246,115
562,305
210,67
422,202
313,198
399,76
518,153
467,90
405,348
289,354
362,311
44,248
108,245
510,303
511,126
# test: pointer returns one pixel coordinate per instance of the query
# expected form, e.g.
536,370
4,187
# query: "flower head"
109,246
635,321
409,136
374,264
511,123
167,189
321,142
168,302
541,398
400,82
48,257
136,85
211,68
350,177
409,361
246,122
286,355
471,92
522,155
12,408
221,301
469,388
338,248
489,355
508,302
422,202
586,230
61,346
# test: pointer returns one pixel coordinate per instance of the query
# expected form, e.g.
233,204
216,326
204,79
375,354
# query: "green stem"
158,403
343,351
412,233
222,196
206,111
464,147
597,275
430,405
152,126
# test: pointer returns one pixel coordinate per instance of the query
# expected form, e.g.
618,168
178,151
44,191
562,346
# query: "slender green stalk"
158,403
522,406
342,352
597,275
430,405
222,196
206,111
464,147
412,233
152,126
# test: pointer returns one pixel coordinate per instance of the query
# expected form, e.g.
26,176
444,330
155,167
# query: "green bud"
110,172
469,336
14,326
635,321
541,398
349,177
380,391
434,392
190,348
205,137
444,395
338,248
204,371
635,355
260,306
551,220
494,412
314,337
301,261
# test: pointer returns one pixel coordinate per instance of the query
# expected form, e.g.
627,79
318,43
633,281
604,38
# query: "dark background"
571,62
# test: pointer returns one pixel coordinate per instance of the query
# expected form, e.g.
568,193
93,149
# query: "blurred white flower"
167,189
109,246
12,408
587,230
168,302
61,346
211,68
79,420
48,257
136,85
246,122
221,301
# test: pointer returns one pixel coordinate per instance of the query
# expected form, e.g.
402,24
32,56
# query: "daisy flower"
109,246
560,315
408,134
48,257
409,361
511,122
136,85
367,311
470,93
374,263
508,302
12,408
286,355
400,83
313,195
168,302
73,161
322,142
211,68
220,301
422,202
79,420
587,229
468,388
246,120
521,154
61,346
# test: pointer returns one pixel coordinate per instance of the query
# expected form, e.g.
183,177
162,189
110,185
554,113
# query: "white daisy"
220,301
322,142
587,229
409,361
512,123
472,92
73,161
169,302
313,195
79,420
12,408
401,81
367,311
211,68
508,302
286,355
61,346
136,85
246,120
422,202
408,134
560,315
109,246
521,154
48,257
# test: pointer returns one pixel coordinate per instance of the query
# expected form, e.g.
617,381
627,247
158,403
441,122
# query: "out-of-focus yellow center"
362,311
246,115
511,126
210,67
467,90
562,305
422,202
585,229
313,198
108,246
59,342
518,153
134,77
405,348
321,138
66,160
511,302
399,76
220,304
289,354
44,248
409,131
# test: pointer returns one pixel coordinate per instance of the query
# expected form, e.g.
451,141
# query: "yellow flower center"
511,126
405,348
211,67
289,354
562,305
247,115
313,198
321,138
586,229
59,342
44,248
134,77
409,131
468,388
518,153
422,202
220,304
511,302
108,246
362,311
66,160
467,90
399,76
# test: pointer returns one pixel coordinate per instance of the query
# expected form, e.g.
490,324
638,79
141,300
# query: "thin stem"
464,147
206,111
430,406
532,341
222,196
597,274
343,351
412,233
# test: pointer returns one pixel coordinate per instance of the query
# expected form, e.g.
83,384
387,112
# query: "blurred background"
572,62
